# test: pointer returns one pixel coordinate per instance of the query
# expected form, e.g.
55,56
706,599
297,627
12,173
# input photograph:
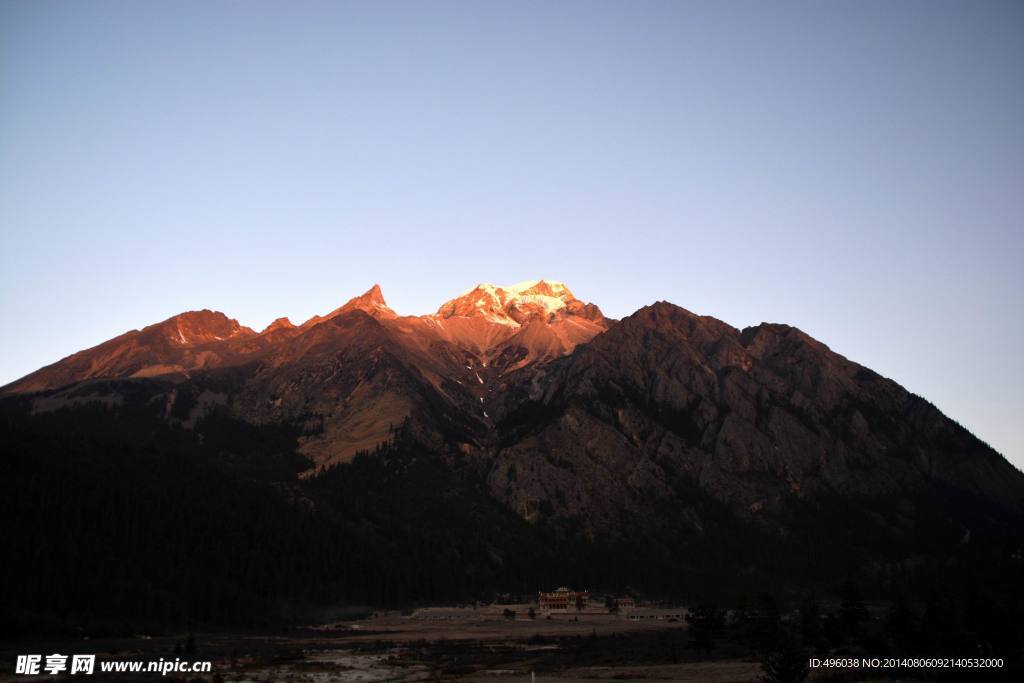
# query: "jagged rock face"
521,324
278,325
182,343
530,322
757,418
603,427
514,305
353,374
371,302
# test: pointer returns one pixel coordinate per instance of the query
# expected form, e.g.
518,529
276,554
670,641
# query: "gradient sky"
855,169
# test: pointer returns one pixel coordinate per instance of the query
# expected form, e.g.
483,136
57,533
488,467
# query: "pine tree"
786,663
901,626
852,612
706,622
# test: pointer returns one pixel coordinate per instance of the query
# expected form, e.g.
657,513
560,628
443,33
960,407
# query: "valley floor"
438,644
449,645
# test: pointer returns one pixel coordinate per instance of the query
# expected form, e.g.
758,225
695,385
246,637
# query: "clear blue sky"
852,168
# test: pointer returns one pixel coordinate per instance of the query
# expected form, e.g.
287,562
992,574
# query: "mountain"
759,419
315,372
514,437
184,342
371,302
525,323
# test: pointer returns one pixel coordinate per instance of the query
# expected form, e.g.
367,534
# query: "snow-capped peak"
541,287
510,305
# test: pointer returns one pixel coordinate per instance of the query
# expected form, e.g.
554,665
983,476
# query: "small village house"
562,599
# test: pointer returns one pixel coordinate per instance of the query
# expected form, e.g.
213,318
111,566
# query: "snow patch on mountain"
509,305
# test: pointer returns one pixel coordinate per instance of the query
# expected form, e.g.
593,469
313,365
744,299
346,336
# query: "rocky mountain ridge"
570,417
516,438
529,322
